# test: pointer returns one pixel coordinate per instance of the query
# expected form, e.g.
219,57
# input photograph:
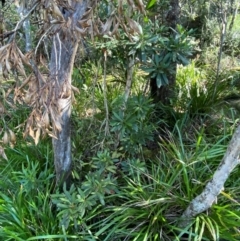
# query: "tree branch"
206,199
19,24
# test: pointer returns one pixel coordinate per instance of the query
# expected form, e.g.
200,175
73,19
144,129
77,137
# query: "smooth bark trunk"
234,14
26,26
214,187
62,57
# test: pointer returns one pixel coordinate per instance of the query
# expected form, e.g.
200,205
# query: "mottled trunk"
130,69
62,57
63,54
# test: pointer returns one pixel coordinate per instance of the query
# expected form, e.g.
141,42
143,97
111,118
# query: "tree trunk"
163,93
129,79
22,11
63,54
62,76
234,14
209,195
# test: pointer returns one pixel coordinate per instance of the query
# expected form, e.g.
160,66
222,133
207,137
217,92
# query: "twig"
105,94
42,39
233,17
20,23
222,39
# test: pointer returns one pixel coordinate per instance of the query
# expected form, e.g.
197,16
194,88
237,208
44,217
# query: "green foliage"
132,125
26,211
123,190
154,195
198,91
226,218
78,205
119,198
157,51
167,52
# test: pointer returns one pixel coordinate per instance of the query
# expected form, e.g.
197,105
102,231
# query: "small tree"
47,88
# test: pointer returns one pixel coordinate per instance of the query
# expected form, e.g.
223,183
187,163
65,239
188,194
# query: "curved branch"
214,187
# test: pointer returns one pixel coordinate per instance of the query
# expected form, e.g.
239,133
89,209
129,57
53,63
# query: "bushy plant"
80,206
153,195
198,92
26,211
131,124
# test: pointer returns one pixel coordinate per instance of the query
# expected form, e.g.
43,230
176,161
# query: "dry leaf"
75,89
12,136
2,108
2,153
131,4
56,121
81,31
51,134
5,138
31,132
21,69
134,25
141,6
87,14
8,65
84,23
4,47
24,58
107,26
45,120
25,81
37,135
64,103
56,12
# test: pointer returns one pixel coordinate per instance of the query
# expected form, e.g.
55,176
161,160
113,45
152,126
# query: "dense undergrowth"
133,175
136,170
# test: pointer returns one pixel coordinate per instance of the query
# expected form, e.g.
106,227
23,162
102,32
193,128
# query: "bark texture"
206,199
63,54
130,69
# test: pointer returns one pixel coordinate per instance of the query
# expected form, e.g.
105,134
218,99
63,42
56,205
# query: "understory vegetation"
137,163
133,181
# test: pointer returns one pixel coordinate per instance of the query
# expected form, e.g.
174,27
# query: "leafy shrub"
26,211
80,206
132,125
198,91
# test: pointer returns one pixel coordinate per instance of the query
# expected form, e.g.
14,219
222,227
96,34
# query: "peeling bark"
61,71
63,54
206,199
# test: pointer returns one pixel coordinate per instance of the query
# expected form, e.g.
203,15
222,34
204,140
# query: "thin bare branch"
20,23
